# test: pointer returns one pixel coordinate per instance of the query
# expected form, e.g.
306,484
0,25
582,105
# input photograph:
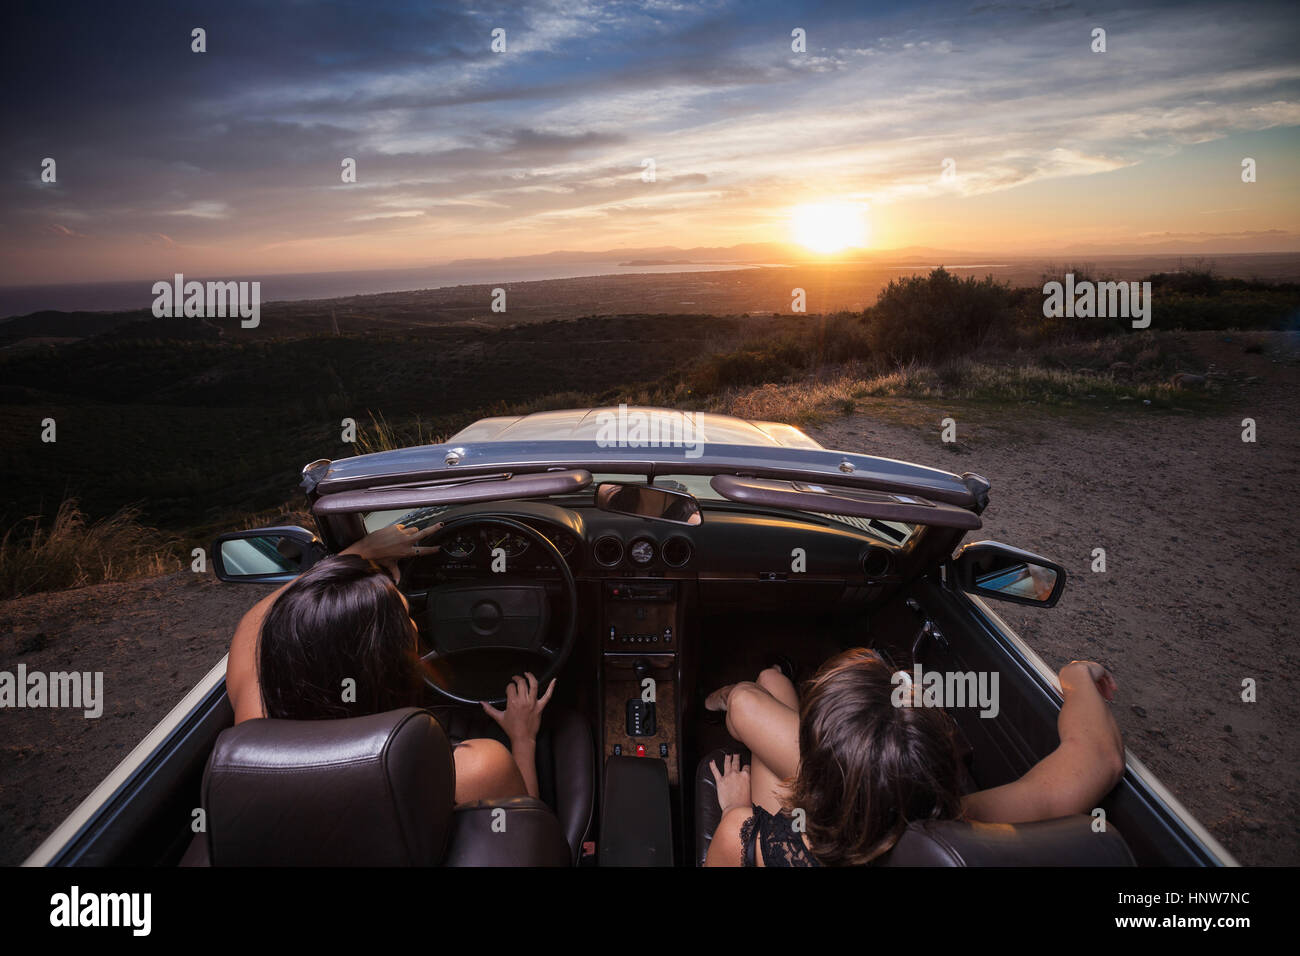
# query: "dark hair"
866,767
343,618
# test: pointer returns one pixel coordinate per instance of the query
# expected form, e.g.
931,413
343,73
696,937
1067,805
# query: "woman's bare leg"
774,681
485,770
764,716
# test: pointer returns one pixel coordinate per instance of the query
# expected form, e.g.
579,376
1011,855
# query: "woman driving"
339,641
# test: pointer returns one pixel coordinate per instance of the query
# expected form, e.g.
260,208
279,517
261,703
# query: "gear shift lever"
640,712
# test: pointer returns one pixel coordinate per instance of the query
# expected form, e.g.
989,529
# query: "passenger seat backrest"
1065,841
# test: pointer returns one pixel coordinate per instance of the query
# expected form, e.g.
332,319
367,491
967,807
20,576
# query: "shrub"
937,316
751,366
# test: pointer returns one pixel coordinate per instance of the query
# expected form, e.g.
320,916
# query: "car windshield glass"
895,532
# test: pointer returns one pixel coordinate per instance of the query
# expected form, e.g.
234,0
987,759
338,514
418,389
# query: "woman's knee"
743,706
774,681
485,770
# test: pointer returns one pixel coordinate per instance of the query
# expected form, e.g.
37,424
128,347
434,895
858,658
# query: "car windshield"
894,532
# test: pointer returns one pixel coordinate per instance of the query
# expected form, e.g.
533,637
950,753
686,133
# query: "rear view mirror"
1008,574
265,555
647,501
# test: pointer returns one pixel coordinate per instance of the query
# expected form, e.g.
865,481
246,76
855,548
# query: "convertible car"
642,567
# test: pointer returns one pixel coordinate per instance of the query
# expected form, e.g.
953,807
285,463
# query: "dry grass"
799,403
72,553
839,391
381,436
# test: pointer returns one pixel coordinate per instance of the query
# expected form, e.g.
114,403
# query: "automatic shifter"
640,713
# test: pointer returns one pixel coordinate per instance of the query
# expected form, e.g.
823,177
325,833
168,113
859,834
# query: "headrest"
1065,841
364,791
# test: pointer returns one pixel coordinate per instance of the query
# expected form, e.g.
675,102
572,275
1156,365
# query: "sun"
829,227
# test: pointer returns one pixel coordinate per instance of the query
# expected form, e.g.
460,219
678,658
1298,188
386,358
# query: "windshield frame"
697,486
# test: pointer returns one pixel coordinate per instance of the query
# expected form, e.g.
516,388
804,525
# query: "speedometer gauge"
509,542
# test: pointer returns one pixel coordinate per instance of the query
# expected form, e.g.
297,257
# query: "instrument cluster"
482,543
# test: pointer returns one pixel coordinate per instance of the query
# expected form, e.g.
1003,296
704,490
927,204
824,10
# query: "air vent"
677,551
877,562
608,551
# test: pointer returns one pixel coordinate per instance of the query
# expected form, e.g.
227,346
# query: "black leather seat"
368,791
566,761
1067,841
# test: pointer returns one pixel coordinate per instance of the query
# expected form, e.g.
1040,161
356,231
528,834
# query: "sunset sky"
228,162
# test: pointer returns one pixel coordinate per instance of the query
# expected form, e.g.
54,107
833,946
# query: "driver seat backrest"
565,761
363,791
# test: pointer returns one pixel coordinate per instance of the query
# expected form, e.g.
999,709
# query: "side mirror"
265,555
1008,574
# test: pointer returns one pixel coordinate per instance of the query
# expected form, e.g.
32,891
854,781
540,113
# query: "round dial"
564,542
460,546
509,542
642,551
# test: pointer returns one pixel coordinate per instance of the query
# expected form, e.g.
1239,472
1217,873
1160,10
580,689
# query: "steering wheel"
482,636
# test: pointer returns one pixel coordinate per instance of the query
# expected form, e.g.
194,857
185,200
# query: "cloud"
240,148
64,232
205,209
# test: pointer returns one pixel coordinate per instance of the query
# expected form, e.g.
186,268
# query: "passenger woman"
861,768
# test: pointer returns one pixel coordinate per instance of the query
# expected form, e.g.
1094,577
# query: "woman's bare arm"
521,721
726,848
1075,776
241,666
386,546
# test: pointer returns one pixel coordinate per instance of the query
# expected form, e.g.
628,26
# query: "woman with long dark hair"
861,767
338,641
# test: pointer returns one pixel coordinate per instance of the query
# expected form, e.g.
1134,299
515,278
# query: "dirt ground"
1200,588
1199,593
152,639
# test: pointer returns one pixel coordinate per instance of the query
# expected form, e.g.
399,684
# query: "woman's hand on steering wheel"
522,718
388,545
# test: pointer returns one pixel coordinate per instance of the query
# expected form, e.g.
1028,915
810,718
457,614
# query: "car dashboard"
734,549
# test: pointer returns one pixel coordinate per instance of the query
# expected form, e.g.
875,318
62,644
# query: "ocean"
138,294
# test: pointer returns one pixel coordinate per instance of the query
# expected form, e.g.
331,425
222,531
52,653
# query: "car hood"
587,424
582,440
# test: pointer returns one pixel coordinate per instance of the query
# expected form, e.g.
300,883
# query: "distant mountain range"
751,253
746,253
1239,254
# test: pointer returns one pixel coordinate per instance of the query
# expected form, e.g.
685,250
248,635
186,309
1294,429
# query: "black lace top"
782,846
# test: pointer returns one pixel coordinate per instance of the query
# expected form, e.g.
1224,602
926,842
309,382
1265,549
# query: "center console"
640,633
641,623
